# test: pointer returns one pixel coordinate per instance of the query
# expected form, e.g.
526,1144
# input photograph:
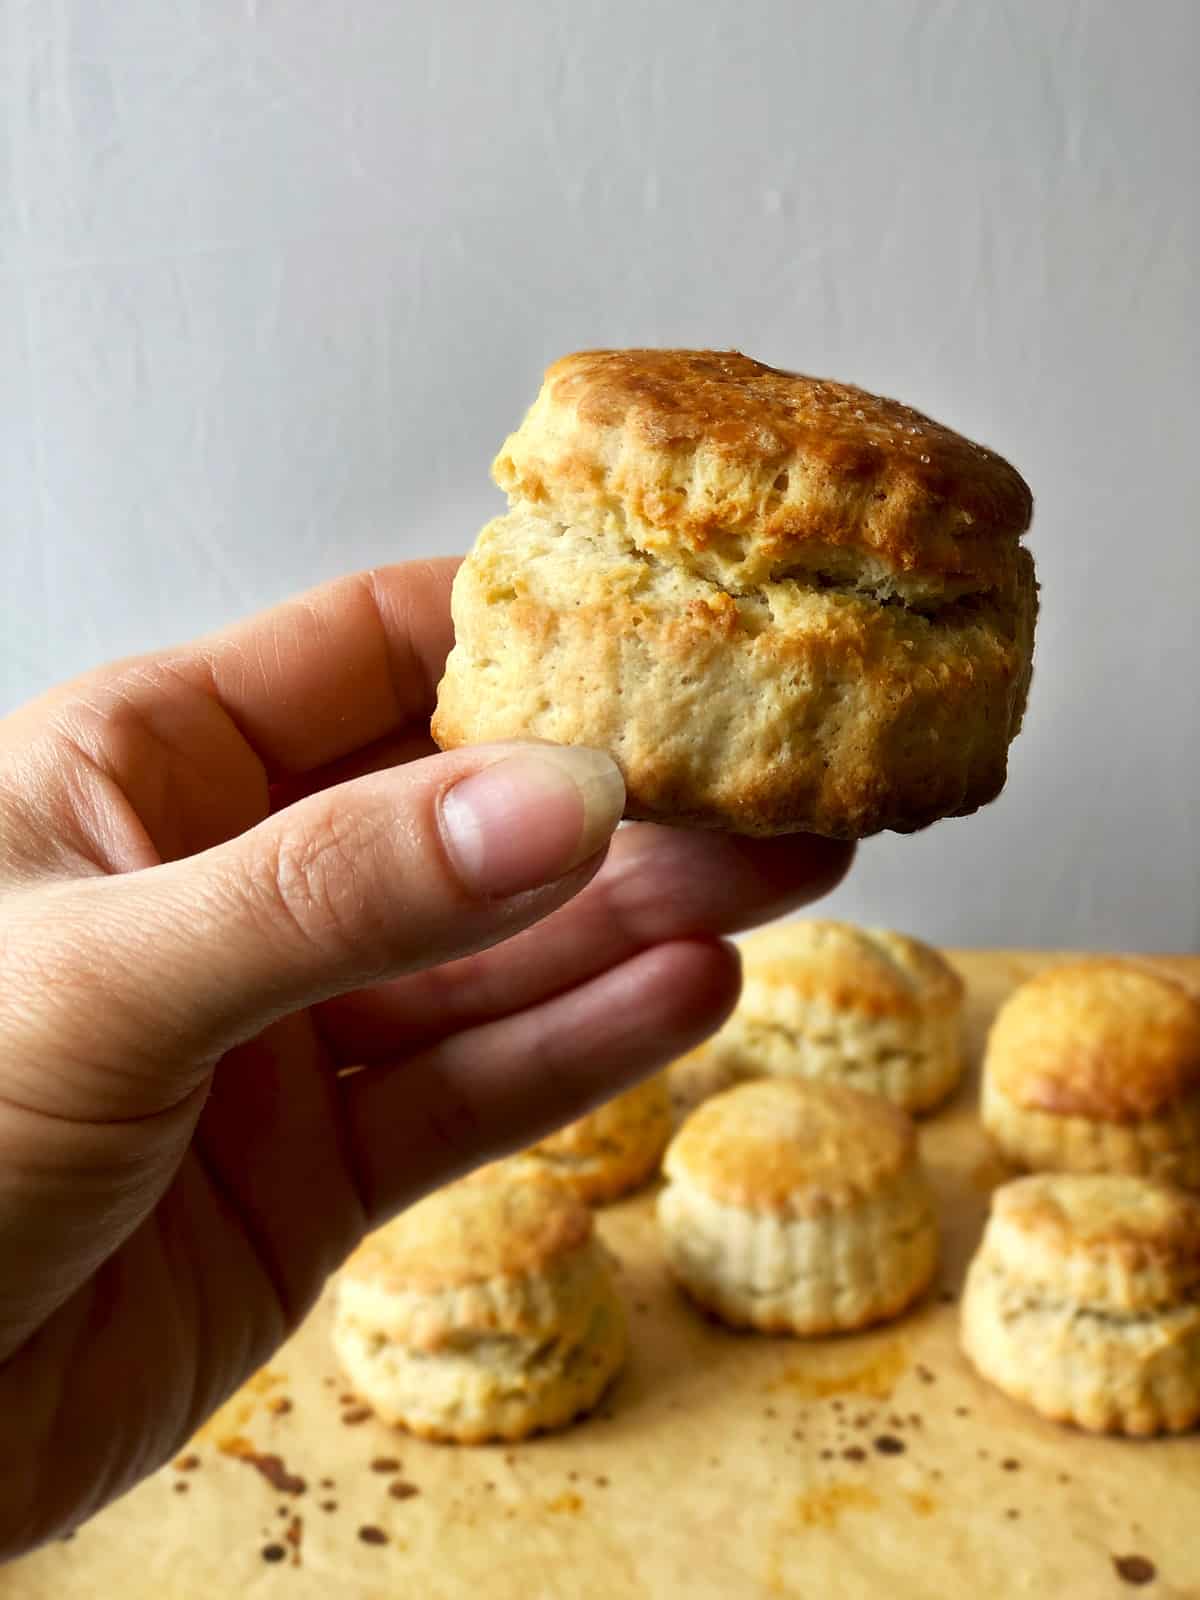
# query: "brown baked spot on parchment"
1135,1570
272,1467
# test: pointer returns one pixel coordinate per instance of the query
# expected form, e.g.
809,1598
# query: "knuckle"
312,876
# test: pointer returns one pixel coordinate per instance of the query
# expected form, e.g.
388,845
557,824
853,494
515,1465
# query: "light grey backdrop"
276,276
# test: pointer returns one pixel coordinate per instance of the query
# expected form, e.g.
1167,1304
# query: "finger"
657,884
394,750
336,669
384,875
485,1093
306,682
161,756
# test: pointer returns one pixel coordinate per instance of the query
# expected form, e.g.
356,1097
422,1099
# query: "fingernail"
530,817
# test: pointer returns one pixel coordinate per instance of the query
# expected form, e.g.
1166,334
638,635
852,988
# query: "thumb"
398,870
120,993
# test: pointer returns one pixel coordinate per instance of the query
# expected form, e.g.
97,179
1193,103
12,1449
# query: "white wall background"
276,276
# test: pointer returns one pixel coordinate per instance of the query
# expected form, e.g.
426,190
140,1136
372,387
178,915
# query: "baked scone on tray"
609,1152
780,603
866,1007
1084,1301
1094,1066
487,1311
793,1206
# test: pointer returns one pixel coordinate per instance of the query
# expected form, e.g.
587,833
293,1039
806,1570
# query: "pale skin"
229,873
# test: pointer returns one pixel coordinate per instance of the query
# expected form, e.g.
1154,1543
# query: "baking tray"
719,1464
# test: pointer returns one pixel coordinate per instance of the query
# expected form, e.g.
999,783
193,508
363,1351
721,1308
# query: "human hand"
270,971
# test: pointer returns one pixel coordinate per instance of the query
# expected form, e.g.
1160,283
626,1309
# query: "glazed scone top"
741,471
492,1225
1124,1242
794,1147
1104,1039
870,971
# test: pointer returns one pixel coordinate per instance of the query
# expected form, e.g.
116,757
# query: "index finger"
321,676
159,756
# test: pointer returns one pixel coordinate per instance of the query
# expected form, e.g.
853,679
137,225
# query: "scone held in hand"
780,603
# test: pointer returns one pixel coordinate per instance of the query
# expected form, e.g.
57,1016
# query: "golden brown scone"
798,1207
861,1006
488,1311
1084,1301
1094,1066
780,603
612,1150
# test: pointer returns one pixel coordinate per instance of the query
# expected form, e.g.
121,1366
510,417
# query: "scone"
798,1207
779,603
614,1149
1084,1301
488,1311
864,1007
697,1076
1095,1067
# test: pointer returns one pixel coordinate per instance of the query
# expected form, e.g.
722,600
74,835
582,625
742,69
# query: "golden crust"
865,1007
1165,1146
1108,1040
489,1226
793,708
612,1150
718,458
793,1147
870,971
1132,1225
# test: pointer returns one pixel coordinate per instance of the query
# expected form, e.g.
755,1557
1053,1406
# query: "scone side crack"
979,607
1014,1300
800,574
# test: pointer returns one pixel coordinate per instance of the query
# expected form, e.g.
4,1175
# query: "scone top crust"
793,1147
1142,1237
1104,1039
624,1120
492,1225
870,971
706,451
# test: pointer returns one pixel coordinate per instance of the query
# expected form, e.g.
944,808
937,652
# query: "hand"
269,971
